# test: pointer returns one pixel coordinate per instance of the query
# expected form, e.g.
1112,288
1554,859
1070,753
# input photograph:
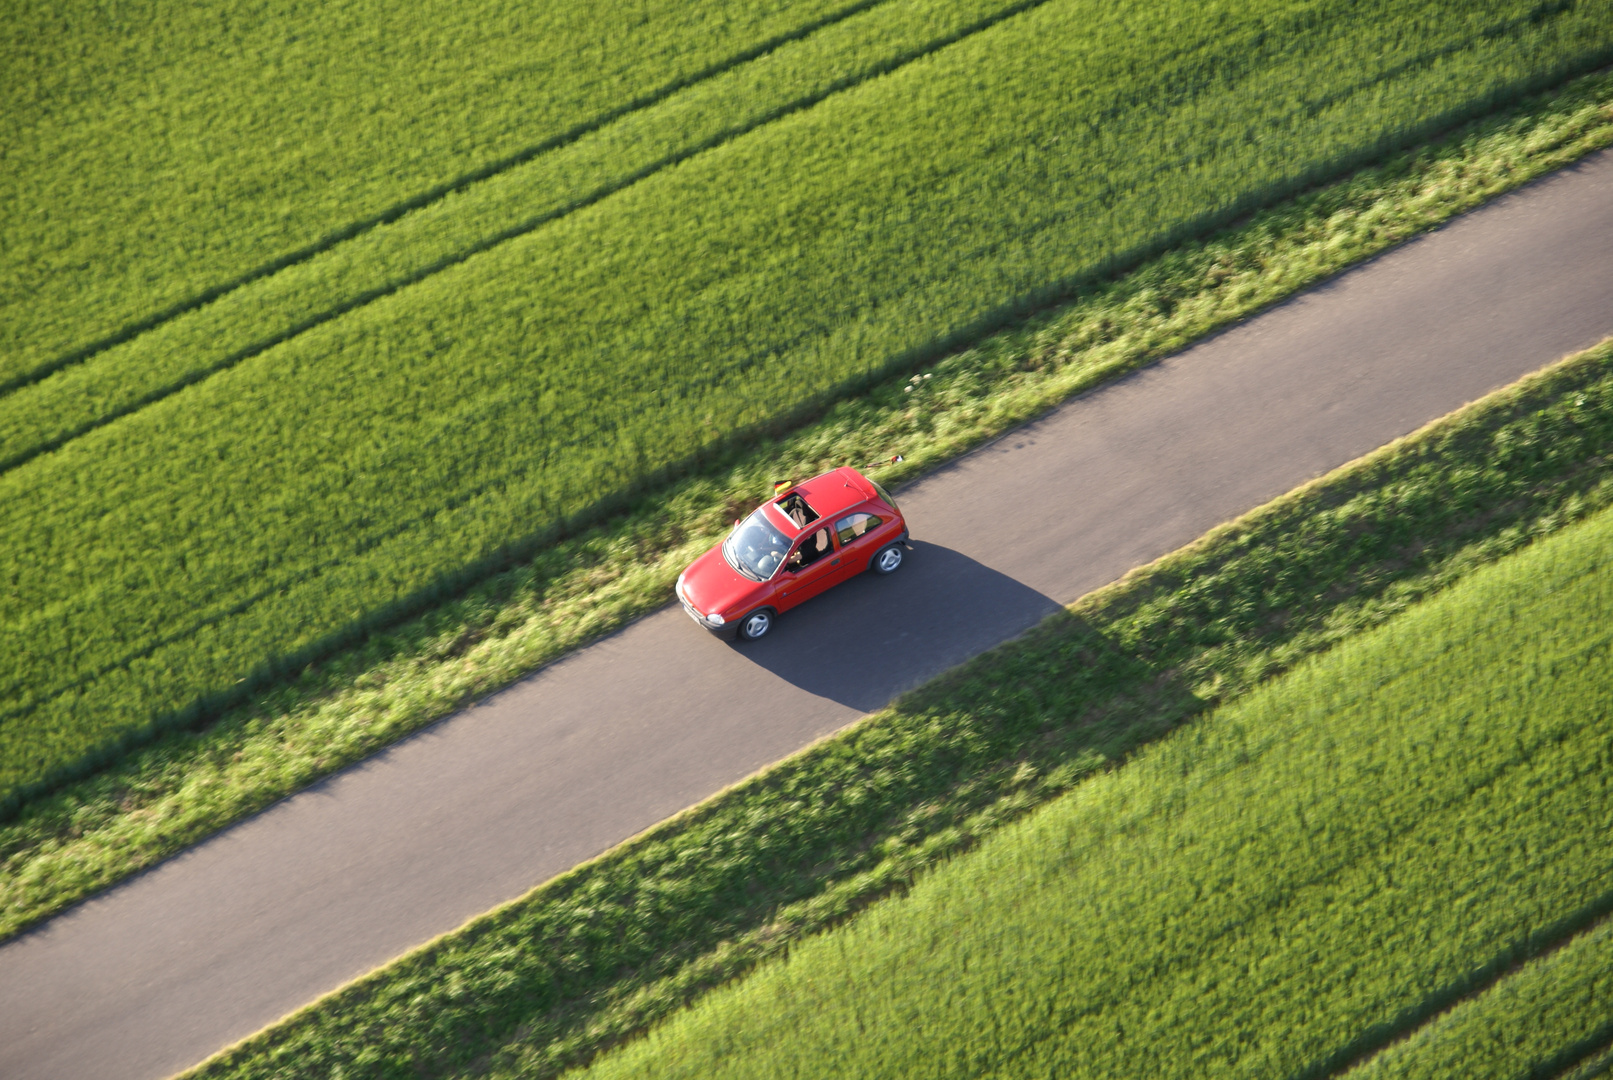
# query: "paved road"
202,950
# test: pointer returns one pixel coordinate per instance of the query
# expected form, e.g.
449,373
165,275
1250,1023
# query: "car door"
855,536
818,569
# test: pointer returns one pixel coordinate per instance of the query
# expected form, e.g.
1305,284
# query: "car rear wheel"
887,559
755,624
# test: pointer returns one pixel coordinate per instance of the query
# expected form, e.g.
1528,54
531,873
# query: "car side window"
813,548
850,527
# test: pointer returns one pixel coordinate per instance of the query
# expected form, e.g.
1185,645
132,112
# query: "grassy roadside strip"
1542,1020
172,793
1271,891
601,952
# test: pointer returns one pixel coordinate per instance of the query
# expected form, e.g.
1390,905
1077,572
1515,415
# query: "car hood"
711,586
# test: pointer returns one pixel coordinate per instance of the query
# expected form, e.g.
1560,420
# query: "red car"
807,538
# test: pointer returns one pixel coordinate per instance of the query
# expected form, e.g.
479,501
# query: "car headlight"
715,620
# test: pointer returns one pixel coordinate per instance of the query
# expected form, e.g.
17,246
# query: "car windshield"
756,548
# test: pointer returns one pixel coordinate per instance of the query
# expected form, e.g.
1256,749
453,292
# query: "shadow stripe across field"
158,973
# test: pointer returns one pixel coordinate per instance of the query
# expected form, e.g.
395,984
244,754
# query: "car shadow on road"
866,641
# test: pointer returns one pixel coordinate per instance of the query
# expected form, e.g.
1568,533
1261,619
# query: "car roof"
835,492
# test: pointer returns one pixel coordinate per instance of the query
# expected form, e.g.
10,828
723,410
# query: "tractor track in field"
1571,928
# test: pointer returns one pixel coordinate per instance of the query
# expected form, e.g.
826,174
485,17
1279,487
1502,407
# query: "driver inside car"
814,548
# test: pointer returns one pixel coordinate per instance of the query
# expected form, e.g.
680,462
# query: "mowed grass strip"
601,952
157,154
1540,1021
160,568
263,313
1261,894
175,791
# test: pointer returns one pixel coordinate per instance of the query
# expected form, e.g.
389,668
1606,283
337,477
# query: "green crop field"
1276,890
569,324
1540,1021
187,783
519,199
157,154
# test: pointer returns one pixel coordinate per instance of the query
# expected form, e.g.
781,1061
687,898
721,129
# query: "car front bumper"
721,629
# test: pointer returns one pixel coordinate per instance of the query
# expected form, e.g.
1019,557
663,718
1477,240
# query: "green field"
1276,889
519,199
159,154
602,952
186,784
1540,1021
161,566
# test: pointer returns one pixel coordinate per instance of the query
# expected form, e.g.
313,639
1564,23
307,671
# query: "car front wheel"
755,624
887,559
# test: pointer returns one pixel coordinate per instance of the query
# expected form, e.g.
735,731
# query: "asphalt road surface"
162,971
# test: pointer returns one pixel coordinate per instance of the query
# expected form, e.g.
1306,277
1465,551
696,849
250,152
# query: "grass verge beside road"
1298,877
600,953
187,785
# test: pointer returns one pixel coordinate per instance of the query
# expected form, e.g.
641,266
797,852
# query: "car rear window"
850,527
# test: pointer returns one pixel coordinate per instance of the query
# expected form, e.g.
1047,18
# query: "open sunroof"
795,507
